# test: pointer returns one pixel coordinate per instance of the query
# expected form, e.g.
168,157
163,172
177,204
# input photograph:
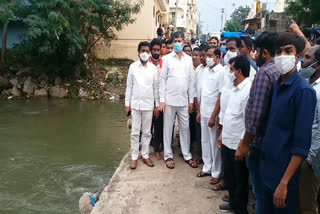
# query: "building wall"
143,29
187,16
193,18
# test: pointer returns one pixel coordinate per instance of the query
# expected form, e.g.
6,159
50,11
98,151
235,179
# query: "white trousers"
141,121
184,132
211,154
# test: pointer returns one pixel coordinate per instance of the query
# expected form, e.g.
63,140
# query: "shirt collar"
175,54
290,80
242,84
216,68
316,82
267,63
140,64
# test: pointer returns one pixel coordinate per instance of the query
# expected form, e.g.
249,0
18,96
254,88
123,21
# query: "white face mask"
210,62
228,56
231,76
285,63
144,56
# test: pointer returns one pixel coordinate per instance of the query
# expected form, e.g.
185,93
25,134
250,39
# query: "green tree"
234,24
6,14
61,31
304,11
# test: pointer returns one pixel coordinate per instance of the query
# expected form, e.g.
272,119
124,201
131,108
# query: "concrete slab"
158,190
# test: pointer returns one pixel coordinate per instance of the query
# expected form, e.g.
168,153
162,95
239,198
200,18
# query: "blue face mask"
223,49
177,47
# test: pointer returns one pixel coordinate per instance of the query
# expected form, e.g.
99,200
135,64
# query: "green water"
51,151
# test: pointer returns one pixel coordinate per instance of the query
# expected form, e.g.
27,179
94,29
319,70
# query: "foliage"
60,32
304,11
7,11
234,24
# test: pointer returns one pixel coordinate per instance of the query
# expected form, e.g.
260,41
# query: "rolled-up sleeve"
305,103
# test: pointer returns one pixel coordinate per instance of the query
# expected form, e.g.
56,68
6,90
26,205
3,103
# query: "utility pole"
222,11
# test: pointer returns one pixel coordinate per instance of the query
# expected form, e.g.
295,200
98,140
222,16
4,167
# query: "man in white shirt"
233,46
309,185
233,129
199,71
195,129
176,98
142,99
210,89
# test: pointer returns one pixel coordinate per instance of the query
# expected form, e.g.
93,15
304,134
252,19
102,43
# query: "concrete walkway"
158,190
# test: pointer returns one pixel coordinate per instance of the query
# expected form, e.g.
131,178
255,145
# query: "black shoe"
225,207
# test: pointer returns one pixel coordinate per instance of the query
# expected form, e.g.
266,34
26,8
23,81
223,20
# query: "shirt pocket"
212,84
234,107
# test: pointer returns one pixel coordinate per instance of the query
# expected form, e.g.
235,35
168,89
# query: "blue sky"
210,11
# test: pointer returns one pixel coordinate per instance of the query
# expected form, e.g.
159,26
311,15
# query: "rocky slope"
106,80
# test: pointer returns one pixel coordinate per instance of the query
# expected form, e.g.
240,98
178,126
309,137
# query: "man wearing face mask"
223,47
210,88
233,127
233,46
142,99
310,184
257,112
156,59
176,98
288,135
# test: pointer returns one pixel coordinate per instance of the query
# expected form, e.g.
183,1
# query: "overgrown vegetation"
305,12
61,34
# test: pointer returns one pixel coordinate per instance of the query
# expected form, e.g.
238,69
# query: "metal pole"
222,11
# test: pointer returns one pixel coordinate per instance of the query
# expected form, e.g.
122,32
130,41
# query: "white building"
183,16
279,6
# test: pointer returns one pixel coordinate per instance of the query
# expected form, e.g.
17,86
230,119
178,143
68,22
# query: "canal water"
52,151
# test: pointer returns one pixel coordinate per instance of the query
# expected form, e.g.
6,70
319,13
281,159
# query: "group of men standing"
258,115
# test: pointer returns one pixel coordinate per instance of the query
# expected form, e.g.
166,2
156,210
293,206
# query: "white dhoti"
141,122
184,132
211,154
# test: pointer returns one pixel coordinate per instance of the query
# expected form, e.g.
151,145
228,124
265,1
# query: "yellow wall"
126,44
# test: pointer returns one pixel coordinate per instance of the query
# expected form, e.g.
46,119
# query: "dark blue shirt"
289,128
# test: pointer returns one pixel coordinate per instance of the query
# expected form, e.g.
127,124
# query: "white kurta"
142,93
177,90
210,88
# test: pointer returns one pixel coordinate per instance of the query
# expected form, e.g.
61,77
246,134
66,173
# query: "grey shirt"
315,142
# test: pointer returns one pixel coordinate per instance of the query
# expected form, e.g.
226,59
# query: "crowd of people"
251,106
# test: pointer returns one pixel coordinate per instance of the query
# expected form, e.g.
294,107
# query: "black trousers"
195,134
158,133
236,178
